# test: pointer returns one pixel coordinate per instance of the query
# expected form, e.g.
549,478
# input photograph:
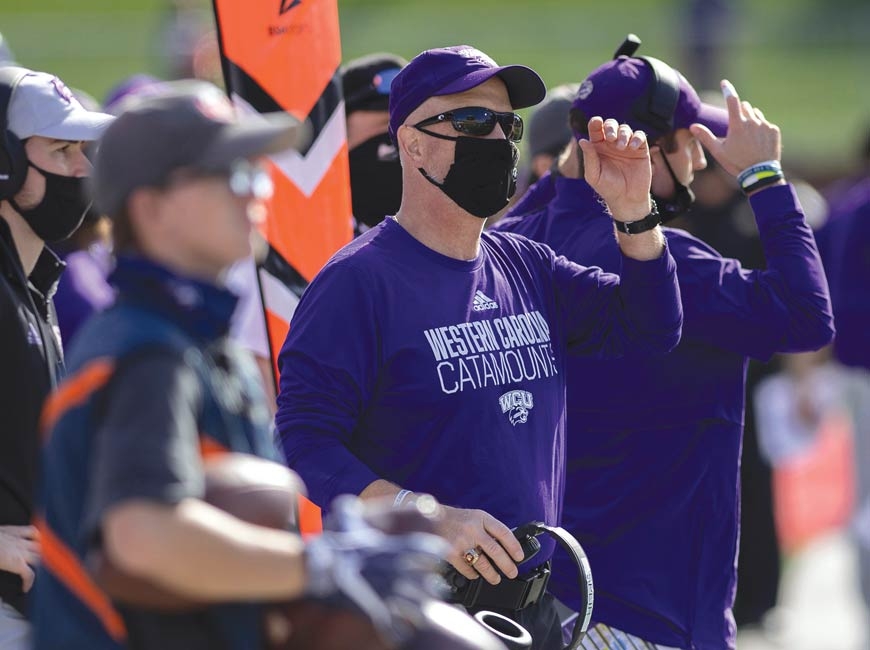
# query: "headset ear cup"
13,165
13,157
655,108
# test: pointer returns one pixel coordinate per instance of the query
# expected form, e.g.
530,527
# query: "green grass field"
804,62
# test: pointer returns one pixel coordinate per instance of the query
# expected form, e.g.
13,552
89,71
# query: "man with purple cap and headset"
452,381
654,444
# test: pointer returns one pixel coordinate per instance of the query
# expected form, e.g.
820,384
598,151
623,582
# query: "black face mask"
61,210
680,203
483,176
375,180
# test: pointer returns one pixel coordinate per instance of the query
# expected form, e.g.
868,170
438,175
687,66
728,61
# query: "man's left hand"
617,167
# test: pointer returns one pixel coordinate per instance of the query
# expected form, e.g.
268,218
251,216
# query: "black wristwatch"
649,222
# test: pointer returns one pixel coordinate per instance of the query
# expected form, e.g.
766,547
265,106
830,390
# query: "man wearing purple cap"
42,129
654,444
451,381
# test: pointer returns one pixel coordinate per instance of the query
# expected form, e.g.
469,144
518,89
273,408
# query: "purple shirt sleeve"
82,291
851,279
784,308
396,353
639,312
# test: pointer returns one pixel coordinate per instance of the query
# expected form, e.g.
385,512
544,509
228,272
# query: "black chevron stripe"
241,83
276,266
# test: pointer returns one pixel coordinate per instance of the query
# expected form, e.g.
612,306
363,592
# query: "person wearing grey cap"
549,133
548,129
654,445
156,391
42,130
451,380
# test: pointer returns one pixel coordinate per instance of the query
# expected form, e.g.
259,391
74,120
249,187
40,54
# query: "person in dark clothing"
156,392
375,172
42,129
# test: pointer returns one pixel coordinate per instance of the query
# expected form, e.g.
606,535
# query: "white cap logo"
62,91
477,55
585,89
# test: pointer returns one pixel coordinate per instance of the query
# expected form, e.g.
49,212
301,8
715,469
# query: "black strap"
649,222
587,590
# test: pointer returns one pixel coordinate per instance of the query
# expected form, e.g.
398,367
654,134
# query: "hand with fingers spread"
19,552
617,166
480,543
751,137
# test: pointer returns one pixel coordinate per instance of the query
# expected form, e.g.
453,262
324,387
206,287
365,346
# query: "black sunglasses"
478,121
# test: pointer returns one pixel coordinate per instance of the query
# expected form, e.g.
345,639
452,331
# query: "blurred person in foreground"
156,391
451,381
42,168
654,444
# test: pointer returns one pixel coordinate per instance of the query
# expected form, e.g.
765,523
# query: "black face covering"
483,176
61,210
375,180
680,203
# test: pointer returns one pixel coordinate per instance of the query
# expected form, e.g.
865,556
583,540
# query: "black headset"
13,172
13,157
656,106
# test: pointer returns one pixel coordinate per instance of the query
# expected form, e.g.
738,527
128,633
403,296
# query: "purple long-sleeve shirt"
847,239
448,376
83,289
652,488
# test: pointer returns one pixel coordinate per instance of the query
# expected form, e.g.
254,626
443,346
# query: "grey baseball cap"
548,130
191,125
41,104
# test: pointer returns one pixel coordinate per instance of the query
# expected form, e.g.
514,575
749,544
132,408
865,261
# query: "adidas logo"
482,302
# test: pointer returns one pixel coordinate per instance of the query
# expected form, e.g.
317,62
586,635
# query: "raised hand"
751,137
19,552
617,166
493,542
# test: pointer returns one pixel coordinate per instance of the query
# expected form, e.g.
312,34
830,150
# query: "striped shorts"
604,637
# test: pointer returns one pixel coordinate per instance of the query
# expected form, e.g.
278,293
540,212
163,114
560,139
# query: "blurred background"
804,62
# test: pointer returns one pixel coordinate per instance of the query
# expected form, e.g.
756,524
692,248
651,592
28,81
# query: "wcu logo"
517,403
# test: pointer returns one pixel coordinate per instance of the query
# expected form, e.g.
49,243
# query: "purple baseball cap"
455,69
614,89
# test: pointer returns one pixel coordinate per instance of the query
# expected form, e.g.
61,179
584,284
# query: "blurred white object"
791,405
